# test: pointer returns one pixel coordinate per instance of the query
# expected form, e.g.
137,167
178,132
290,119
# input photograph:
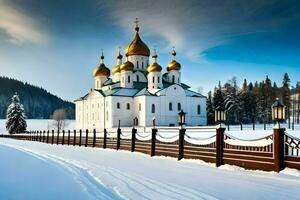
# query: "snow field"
138,176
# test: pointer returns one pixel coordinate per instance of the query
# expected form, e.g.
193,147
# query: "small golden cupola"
127,66
116,69
137,46
173,65
101,70
154,67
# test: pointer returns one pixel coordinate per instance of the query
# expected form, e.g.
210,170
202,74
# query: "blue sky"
56,44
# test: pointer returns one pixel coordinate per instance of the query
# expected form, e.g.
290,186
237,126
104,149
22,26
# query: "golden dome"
101,70
116,69
127,66
137,46
154,68
173,65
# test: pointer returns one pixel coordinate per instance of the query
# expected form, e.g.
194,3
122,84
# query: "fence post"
104,138
86,137
241,126
153,139
41,136
94,138
43,140
278,151
80,135
47,139
181,143
57,137
133,133
69,132
74,141
118,138
219,146
63,138
52,137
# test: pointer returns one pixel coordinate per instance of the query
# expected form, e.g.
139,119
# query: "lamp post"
219,119
181,119
220,116
278,115
153,122
278,112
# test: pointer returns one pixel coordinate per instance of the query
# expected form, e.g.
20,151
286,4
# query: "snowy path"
27,176
137,176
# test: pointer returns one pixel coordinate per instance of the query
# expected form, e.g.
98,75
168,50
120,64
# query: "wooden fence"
269,153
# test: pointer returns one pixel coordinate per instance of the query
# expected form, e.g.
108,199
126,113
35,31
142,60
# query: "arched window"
106,115
142,65
136,121
157,79
137,64
128,106
137,78
152,108
128,79
118,105
178,80
97,84
173,79
170,106
198,109
179,106
153,79
140,107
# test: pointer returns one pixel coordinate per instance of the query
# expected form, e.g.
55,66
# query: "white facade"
139,94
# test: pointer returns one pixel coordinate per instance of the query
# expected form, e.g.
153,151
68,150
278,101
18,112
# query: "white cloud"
18,26
191,26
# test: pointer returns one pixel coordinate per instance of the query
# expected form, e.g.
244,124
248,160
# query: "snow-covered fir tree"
16,122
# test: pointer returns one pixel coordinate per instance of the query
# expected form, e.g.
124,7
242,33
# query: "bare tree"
59,116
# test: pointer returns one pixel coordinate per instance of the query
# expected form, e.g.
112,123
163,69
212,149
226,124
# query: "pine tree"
285,92
210,110
16,122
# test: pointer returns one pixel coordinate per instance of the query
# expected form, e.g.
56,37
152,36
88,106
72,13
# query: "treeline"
251,103
37,102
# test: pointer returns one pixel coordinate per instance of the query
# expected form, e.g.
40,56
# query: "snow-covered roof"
191,93
142,92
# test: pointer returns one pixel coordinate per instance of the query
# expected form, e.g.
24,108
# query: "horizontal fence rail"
270,153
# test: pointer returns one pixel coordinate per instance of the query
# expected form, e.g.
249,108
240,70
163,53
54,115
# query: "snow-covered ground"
129,175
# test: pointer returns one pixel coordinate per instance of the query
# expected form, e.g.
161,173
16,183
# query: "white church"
138,92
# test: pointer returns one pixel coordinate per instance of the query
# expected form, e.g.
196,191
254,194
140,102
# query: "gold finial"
102,56
137,28
173,52
154,55
119,56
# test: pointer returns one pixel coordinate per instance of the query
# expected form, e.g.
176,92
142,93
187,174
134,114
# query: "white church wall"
139,62
154,80
139,110
122,113
177,76
193,118
174,94
138,76
157,114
